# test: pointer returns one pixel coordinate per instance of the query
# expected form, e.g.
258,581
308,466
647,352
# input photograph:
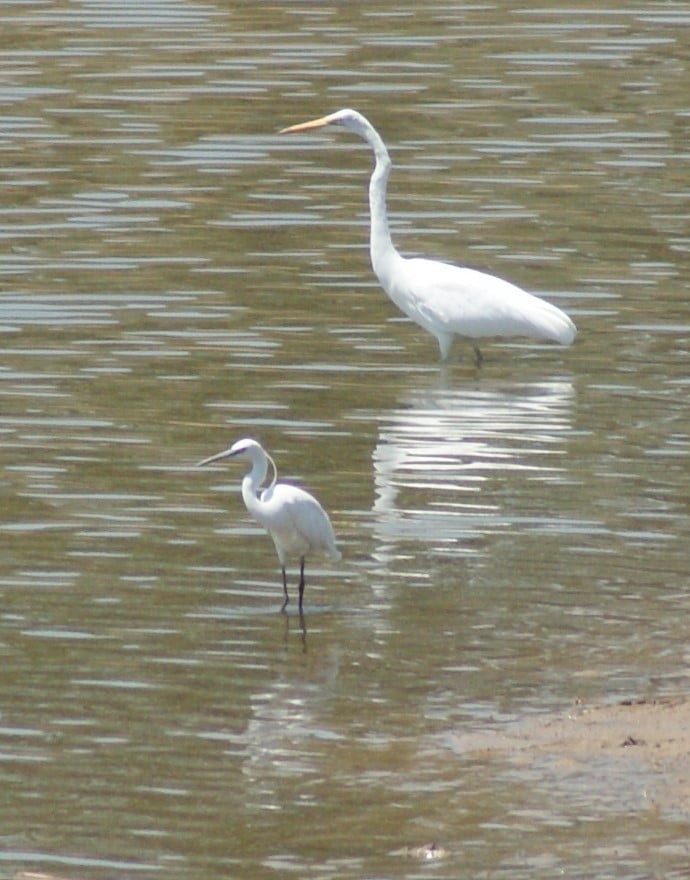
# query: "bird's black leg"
478,356
301,583
287,598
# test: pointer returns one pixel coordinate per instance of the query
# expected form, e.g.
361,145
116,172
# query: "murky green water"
175,275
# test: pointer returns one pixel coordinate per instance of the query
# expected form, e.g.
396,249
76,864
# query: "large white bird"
444,299
294,519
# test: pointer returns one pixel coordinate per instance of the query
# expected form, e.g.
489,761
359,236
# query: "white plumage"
297,523
444,299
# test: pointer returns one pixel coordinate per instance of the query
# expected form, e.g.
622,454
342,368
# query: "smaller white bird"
292,517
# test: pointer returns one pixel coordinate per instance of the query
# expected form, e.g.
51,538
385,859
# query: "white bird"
292,517
444,299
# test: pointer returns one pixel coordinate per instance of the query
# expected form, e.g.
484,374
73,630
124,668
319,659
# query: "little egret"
292,517
444,299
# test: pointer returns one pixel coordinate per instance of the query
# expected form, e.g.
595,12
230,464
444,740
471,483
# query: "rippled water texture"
175,275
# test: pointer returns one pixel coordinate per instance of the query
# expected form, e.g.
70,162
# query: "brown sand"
647,742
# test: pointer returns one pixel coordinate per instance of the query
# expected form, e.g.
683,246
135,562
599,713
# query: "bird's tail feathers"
553,324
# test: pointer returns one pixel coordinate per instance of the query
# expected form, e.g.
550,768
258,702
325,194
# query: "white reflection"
284,731
437,448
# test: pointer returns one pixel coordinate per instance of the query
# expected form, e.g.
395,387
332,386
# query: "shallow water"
176,275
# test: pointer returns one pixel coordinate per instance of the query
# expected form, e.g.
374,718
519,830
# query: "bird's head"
348,118
241,447
258,456
245,446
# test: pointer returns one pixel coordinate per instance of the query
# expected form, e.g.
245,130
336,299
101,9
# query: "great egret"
292,517
444,299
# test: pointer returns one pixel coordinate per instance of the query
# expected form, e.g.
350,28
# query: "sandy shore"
641,748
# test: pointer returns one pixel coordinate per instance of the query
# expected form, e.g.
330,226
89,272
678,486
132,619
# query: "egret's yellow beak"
308,126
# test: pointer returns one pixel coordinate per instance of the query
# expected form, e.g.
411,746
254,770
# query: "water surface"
176,275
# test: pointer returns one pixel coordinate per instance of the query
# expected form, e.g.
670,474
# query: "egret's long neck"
380,244
251,483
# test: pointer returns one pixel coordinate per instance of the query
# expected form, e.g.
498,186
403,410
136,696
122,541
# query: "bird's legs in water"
301,586
287,598
301,583
478,356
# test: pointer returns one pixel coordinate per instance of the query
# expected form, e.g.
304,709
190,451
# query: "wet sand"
639,749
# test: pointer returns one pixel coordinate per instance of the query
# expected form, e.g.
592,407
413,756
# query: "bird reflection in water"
438,447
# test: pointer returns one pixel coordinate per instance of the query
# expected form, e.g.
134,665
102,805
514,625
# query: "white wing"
443,297
296,521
